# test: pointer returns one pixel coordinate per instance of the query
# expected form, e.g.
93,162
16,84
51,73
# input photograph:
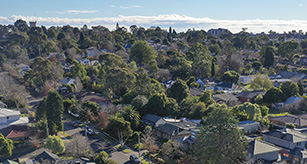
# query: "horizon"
257,16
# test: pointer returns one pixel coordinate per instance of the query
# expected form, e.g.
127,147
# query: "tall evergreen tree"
220,140
268,57
54,112
300,87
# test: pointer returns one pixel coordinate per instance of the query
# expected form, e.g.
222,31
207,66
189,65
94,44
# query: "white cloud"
77,12
130,7
300,5
179,22
112,6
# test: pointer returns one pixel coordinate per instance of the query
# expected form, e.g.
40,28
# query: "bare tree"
149,140
79,85
103,120
79,146
12,91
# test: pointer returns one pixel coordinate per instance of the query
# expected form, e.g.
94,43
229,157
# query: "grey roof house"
261,150
287,138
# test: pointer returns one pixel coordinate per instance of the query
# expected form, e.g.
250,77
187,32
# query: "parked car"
135,159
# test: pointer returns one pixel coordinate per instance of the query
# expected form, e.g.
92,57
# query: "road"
96,143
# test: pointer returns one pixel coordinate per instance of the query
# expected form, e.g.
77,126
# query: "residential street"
96,143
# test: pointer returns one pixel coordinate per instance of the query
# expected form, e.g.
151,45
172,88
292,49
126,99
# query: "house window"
298,144
7,117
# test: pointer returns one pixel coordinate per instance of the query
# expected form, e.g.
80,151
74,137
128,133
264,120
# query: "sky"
255,15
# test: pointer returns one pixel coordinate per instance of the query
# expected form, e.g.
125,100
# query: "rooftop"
261,147
8,112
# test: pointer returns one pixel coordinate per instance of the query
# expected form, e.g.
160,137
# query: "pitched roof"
249,95
293,136
286,74
8,112
151,118
247,122
291,119
10,162
177,128
45,155
16,131
226,85
67,81
261,147
293,99
224,97
196,91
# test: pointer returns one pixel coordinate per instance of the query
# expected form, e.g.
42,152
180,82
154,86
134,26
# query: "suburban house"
249,126
24,68
261,150
67,81
226,87
16,133
226,98
246,96
172,130
11,117
287,138
297,155
246,79
299,121
153,120
218,32
45,156
168,83
196,91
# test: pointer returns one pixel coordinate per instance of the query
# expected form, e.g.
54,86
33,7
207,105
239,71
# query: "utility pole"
47,129
139,145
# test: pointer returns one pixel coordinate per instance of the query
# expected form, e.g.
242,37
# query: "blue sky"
256,15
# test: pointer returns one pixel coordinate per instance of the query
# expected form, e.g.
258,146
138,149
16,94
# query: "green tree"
92,106
120,80
179,90
6,146
102,158
139,102
186,105
55,144
273,95
198,111
156,104
221,135
110,60
256,65
287,49
231,76
300,87
268,57
289,89
128,97
170,149
262,83
252,111
264,110
142,53
130,115
21,25
54,111
206,97
119,127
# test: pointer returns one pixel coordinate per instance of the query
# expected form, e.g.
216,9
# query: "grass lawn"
126,151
